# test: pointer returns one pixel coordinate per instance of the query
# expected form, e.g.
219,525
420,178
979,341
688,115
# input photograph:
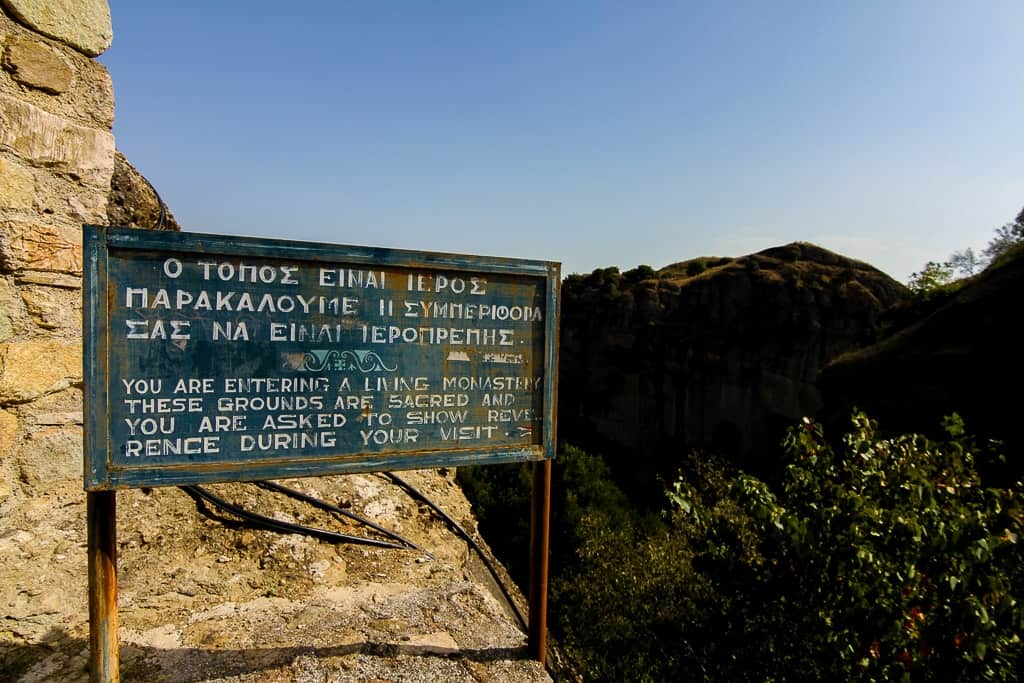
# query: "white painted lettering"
132,292
172,267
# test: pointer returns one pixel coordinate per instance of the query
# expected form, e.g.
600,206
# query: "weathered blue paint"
213,358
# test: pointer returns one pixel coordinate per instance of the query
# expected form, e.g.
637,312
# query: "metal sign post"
540,527
101,513
210,358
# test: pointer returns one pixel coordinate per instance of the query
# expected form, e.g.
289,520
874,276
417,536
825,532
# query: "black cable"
333,536
417,495
331,507
287,527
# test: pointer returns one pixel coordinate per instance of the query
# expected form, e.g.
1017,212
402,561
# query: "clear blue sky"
591,133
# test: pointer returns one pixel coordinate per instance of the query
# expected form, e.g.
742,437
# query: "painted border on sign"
102,471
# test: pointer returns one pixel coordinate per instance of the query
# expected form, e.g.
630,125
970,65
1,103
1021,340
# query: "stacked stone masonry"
182,575
56,161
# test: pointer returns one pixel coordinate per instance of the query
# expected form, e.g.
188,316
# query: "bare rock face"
133,203
51,76
29,246
54,142
8,432
17,186
35,64
83,24
205,597
710,353
56,161
32,369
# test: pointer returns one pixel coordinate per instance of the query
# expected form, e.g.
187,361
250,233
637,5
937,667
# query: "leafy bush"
639,274
696,267
888,559
582,488
628,609
1006,238
874,558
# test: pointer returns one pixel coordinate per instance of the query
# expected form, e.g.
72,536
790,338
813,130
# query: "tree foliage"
888,559
640,273
936,276
873,558
1006,237
931,278
966,263
582,489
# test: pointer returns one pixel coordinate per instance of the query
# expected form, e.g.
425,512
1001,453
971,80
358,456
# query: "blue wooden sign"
214,358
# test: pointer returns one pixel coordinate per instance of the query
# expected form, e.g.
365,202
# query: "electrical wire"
336,537
286,527
331,507
418,495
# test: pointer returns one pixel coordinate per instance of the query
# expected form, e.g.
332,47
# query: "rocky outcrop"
204,597
960,353
715,353
133,202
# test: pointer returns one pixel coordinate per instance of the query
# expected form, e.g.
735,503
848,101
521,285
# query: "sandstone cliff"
709,353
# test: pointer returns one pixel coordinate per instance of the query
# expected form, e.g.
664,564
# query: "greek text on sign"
211,358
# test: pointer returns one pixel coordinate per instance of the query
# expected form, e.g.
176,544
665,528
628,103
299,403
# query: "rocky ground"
204,597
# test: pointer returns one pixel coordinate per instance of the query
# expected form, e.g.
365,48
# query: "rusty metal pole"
540,520
101,511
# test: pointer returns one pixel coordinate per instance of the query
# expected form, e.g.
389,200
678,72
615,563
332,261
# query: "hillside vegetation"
872,558
710,353
810,542
955,350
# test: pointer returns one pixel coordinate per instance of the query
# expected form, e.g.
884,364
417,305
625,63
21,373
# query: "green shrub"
888,559
696,267
639,274
874,558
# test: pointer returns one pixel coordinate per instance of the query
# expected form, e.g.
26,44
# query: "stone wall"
198,600
56,162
